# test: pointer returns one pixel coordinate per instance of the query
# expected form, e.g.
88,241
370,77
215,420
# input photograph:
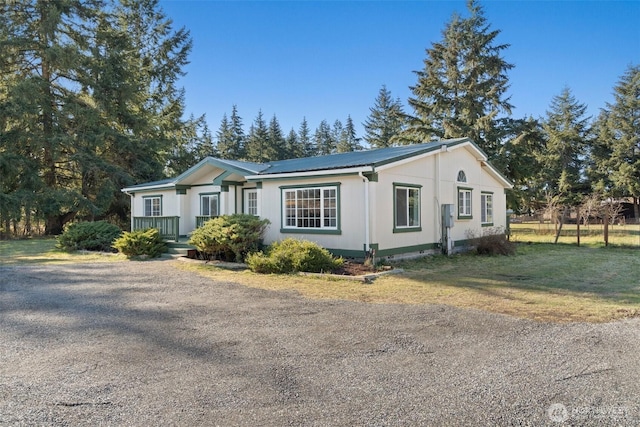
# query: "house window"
310,208
464,203
406,207
486,213
462,177
210,205
251,202
153,206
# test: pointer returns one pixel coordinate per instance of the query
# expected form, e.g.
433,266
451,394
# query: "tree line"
89,104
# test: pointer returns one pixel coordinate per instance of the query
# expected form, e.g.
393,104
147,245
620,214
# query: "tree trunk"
559,229
578,225
606,227
54,224
636,209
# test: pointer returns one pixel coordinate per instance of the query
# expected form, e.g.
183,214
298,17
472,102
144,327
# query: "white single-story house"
396,201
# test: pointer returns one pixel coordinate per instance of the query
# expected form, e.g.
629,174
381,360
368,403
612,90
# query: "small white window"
251,202
407,207
464,203
209,205
153,206
486,202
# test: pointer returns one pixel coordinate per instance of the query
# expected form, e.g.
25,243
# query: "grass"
558,283
43,251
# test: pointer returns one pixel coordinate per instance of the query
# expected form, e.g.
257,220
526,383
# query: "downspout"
367,241
131,196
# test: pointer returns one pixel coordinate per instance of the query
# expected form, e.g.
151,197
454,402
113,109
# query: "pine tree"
276,142
306,143
386,121
622,135
257,146
348,140
323,140
519,160
567,135
231,138
294,149
461,90
94,101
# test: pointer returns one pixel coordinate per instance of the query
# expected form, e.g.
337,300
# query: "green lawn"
560,283
44,251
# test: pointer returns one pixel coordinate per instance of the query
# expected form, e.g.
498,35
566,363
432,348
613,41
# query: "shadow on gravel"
60,302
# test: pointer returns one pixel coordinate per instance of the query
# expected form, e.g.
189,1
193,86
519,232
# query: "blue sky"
325,60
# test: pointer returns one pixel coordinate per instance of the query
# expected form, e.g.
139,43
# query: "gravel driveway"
141,343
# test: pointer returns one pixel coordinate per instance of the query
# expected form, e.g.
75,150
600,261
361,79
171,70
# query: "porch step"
178,249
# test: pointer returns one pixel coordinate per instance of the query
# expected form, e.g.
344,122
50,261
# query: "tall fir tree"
520,161
231,138
306,142
257,147
567,136
293,148
461,92
348,140
275,141
323,139
95,104
620,135
386,121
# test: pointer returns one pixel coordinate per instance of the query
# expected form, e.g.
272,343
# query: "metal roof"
353,159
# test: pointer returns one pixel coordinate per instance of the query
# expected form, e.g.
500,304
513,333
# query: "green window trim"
300,211
467,206
209,194
246,203
486,209
150,198
416,217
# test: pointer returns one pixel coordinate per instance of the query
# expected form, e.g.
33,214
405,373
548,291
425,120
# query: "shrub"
293,255
230,237
141,243
90,236
492,242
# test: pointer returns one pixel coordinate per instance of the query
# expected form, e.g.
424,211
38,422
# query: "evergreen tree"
567,135
257,147
93,102
620,135
231,138
194,143
386,121
323,139
348,140
276,142
307,148
461,90
520,160
294,149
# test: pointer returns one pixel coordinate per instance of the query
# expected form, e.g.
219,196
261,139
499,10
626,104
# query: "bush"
493,242
230,237
90,236
141,243
293,255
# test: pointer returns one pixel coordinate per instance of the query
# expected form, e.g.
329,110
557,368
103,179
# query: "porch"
169,226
